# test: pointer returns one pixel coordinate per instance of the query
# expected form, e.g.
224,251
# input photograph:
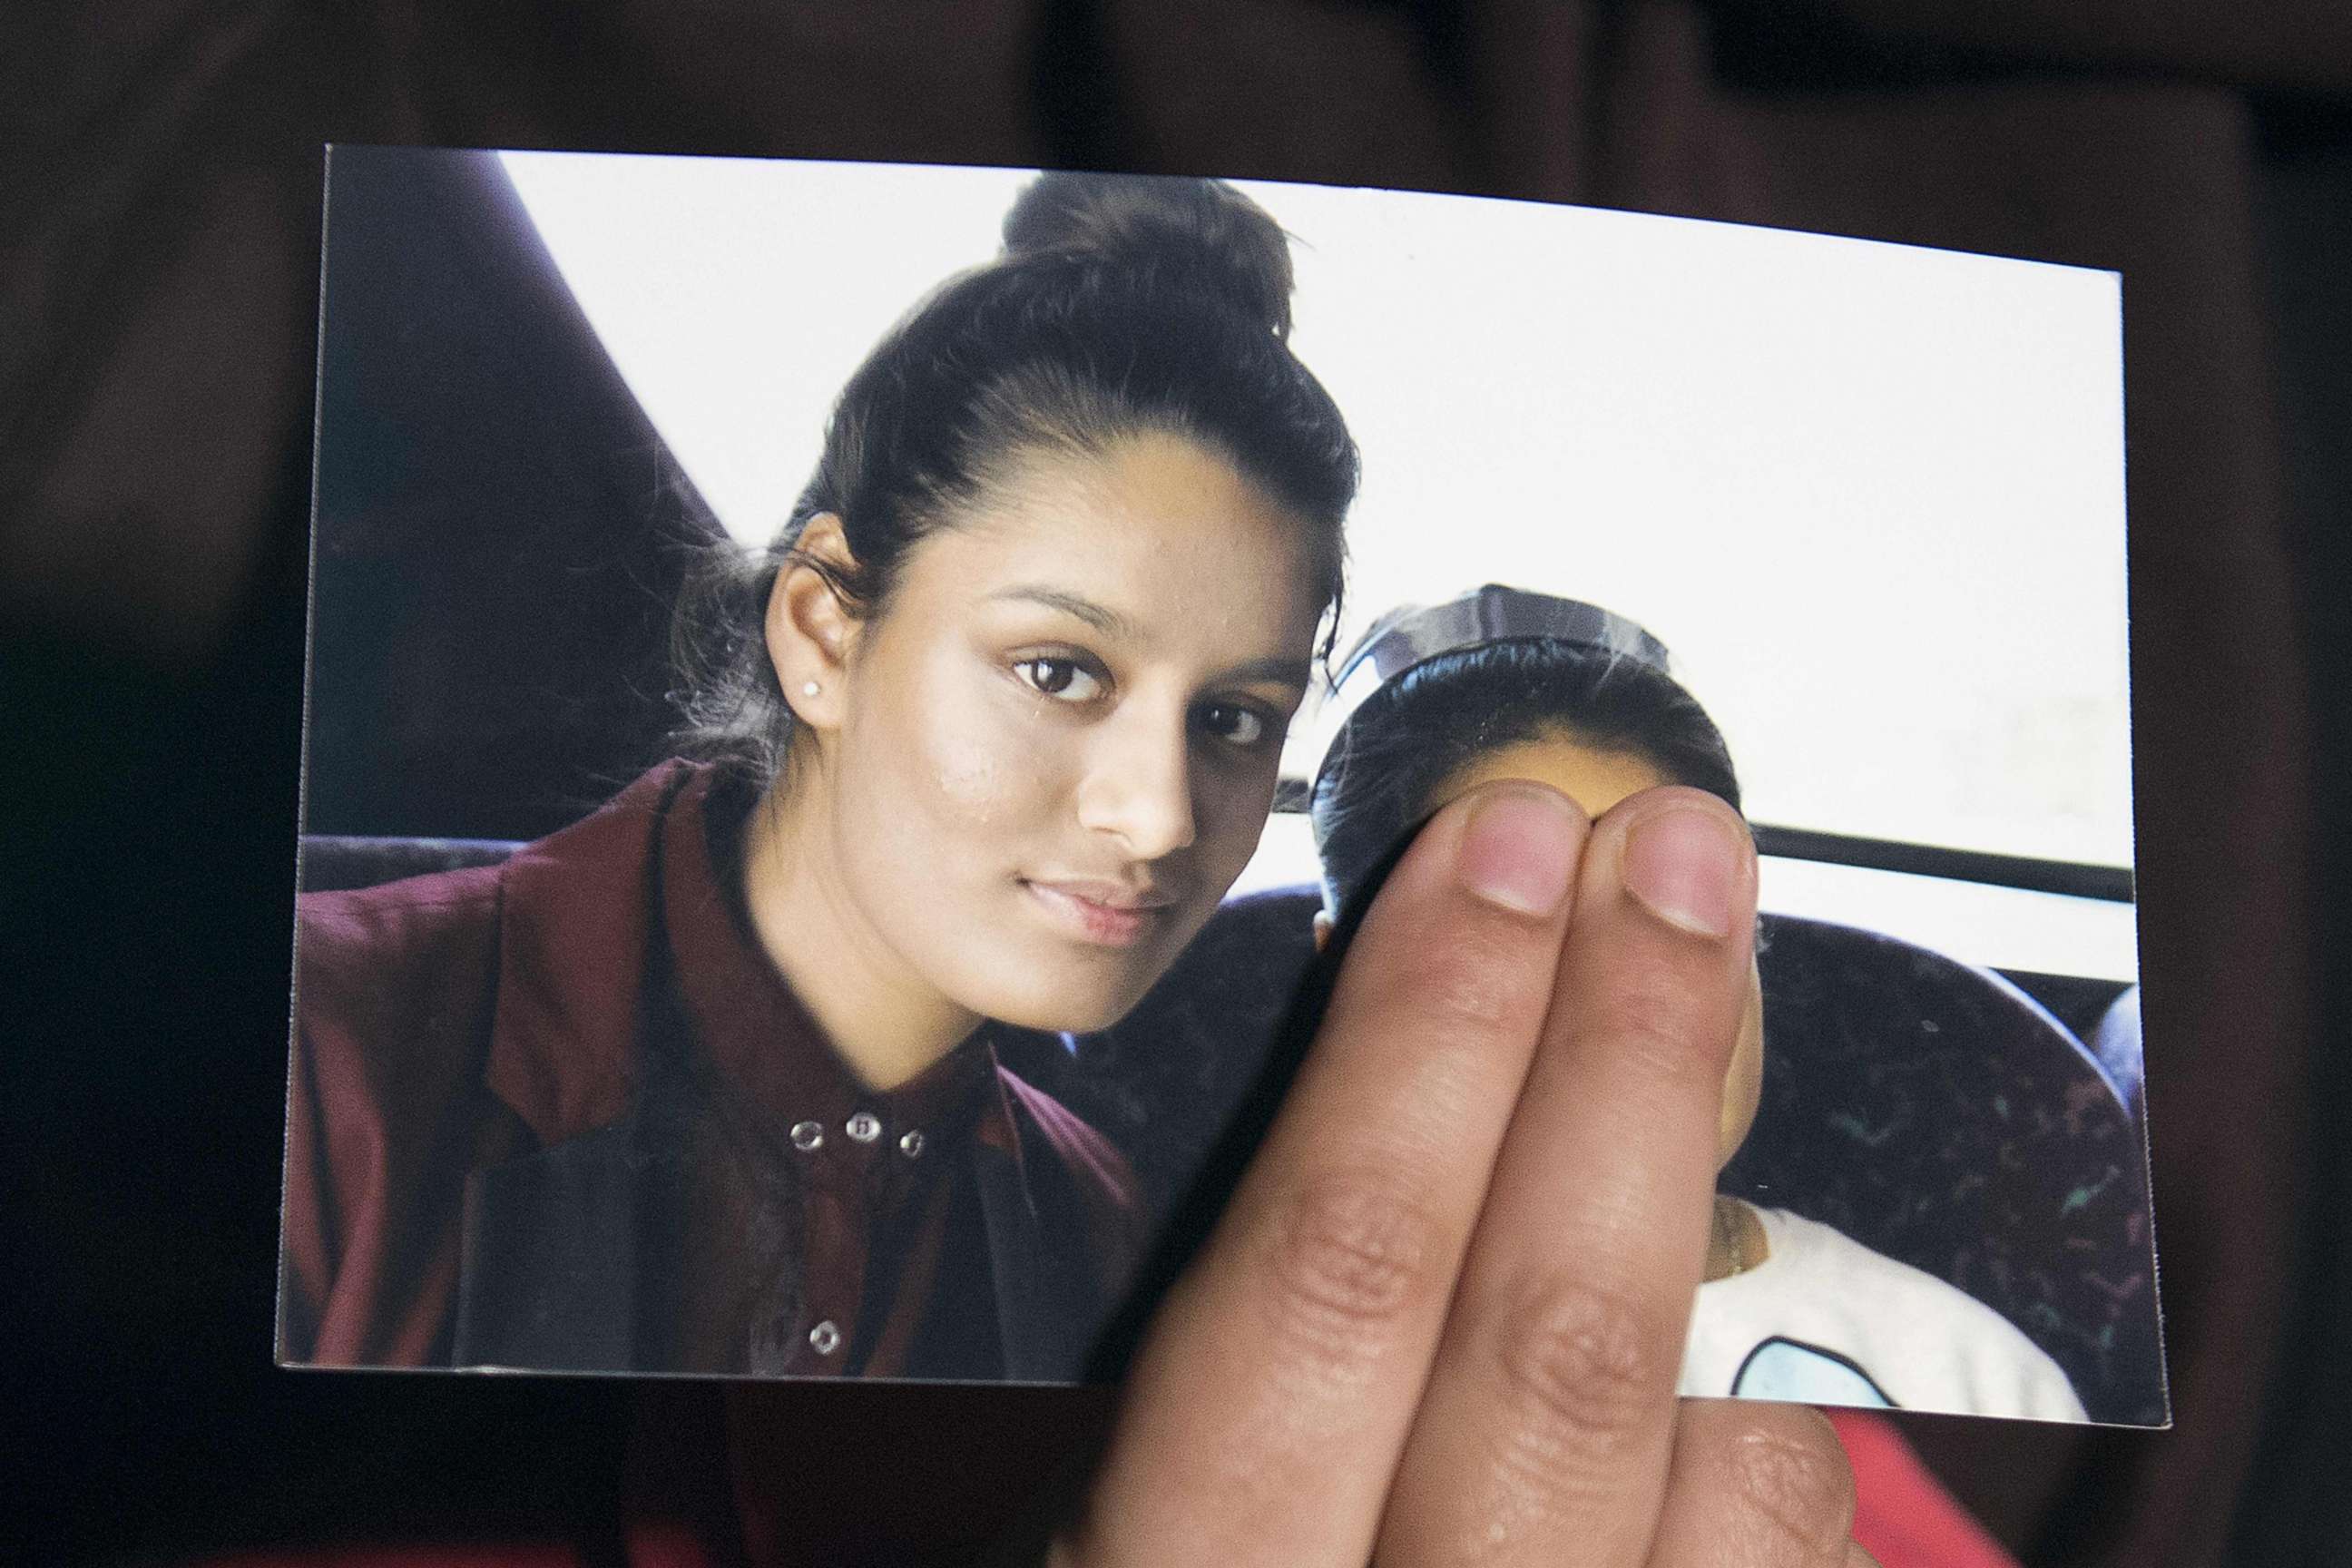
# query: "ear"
1322,930
809,630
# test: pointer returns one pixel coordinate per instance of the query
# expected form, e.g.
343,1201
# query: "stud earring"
810,688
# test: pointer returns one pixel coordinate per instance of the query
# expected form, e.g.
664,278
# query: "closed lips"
1100,912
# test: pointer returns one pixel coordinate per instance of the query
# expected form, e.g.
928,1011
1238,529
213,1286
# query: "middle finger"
1547,1428
1265,1413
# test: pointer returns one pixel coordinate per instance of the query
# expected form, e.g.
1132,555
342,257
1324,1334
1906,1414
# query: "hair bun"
1202,230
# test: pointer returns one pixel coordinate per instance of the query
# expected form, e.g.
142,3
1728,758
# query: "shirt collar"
768,1050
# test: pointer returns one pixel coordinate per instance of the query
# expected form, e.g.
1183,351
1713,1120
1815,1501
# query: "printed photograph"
853,711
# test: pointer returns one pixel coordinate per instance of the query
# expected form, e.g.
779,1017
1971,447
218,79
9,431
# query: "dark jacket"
482,1123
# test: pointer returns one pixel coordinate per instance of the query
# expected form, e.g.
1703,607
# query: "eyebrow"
1107,621
1297,672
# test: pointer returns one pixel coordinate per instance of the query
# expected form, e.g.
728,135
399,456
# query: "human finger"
1755,1485
1264,1413
1547,1430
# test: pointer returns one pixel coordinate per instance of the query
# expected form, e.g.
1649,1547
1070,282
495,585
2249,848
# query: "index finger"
1546,1434
1265,1412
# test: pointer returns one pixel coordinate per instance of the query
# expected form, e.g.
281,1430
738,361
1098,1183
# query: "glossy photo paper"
1833,528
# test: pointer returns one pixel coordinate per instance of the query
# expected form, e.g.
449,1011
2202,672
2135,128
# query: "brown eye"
1064,679
1234,724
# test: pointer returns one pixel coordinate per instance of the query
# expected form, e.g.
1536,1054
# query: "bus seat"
1935,1113
2115,1041
1927,1107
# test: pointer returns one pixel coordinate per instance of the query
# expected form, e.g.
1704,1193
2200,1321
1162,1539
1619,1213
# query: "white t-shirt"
1825,1320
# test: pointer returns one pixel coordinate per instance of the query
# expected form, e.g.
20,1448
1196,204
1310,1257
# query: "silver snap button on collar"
911,1144
808,1135
865,1127
825,1339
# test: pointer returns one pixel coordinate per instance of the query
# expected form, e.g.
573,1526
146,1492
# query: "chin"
1065,1014
1038,978
1056,999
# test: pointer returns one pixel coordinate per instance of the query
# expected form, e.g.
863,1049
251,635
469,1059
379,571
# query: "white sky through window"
1872,496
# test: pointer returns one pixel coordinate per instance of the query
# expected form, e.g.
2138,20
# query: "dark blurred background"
159,249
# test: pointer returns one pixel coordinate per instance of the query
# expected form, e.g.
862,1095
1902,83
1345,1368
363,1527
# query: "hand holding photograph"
856,711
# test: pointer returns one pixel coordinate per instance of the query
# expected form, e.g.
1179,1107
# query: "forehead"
1595,779
1162,532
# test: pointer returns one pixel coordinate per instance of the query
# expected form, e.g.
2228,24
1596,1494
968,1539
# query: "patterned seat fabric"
1934,1113
1929,1110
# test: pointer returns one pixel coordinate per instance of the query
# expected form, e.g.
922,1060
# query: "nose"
1138,786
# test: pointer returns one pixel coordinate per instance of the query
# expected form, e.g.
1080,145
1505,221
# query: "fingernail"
1518,851
1683,865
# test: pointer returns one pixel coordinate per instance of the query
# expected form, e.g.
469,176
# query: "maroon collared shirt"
605,980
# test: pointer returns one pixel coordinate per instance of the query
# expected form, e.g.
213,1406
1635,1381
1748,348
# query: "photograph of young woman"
707,1082
1505,683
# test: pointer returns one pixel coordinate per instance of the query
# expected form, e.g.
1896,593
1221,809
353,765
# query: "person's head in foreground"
1013,678
1507,684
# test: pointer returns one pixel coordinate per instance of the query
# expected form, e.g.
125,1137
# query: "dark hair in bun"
1150,221
1122,305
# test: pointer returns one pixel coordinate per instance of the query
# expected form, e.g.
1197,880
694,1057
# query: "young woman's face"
1597,780
1058,740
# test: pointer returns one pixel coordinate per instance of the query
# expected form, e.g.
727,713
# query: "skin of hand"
1441,1318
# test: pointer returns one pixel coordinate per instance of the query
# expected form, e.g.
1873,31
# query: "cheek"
1229,808
964,778
940,773
1743,1083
